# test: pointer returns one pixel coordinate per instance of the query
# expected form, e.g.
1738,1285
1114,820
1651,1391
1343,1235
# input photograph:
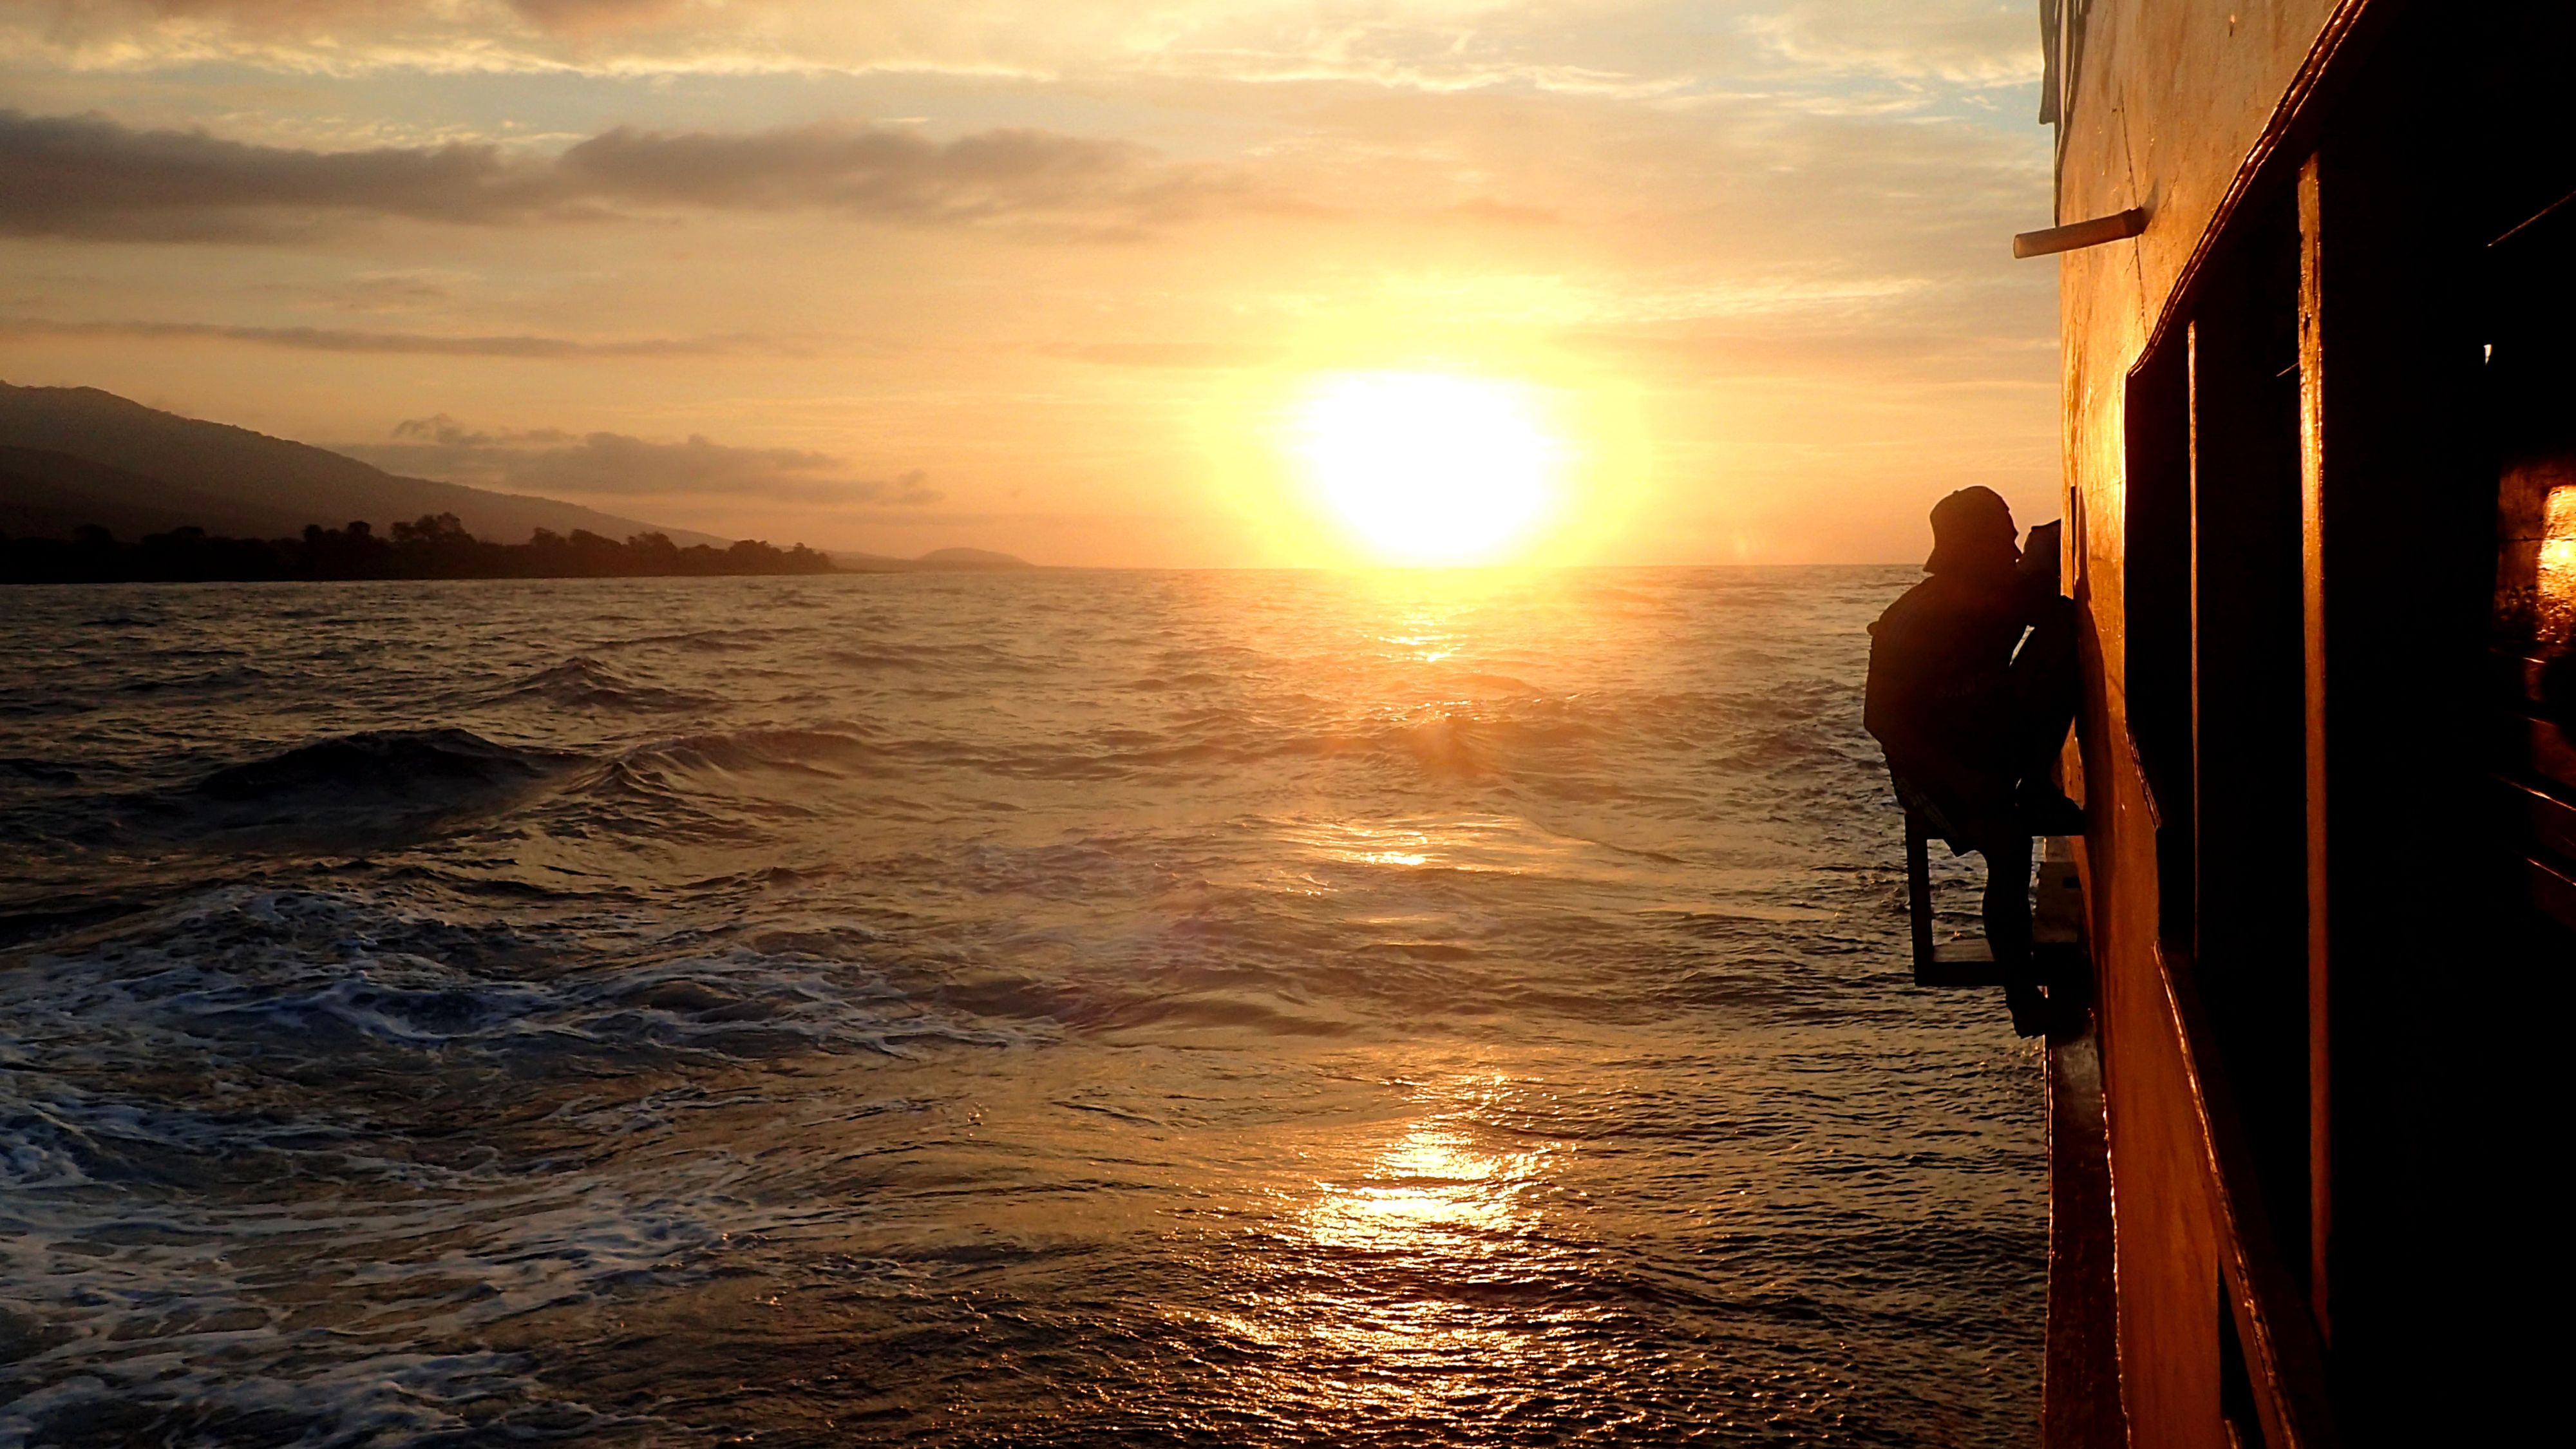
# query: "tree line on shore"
433,547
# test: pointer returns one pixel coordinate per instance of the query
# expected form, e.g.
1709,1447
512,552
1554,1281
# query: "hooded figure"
1970,714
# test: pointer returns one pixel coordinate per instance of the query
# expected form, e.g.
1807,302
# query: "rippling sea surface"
1030,1009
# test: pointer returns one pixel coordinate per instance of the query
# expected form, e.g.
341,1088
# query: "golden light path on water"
1424,1202
1396,1216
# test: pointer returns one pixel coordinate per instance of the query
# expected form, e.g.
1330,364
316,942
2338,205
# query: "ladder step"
1969,961
2057,920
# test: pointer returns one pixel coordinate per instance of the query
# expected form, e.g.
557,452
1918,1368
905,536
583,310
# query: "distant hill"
973,558
79,451
47,495
943,560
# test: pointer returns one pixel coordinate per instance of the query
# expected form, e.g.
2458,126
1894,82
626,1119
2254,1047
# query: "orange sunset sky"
1091,282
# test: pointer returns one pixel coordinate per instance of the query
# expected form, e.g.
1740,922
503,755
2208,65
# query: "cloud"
1631,49
552,460
1433,44
87,176
393,291
591,16
91,177
889,175
1972,43
377,292
341,17
1168,354
327,339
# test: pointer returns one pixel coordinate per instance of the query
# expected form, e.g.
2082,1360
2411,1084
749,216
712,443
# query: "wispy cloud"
602,464
326,339
1630,49
891,175
1168,354
1960,42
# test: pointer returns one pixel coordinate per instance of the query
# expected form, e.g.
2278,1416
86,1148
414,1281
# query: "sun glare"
1428,467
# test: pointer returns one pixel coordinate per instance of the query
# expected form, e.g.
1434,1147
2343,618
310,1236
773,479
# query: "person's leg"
2008,930
2045,684
2007,904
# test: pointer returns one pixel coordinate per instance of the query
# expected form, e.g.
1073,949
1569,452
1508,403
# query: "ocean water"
1037,1009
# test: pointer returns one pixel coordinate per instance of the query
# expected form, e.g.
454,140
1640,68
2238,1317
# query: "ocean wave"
260,981
709,641
207,684
341,793
730,788
201,1110
377,1399
1460,740
810,749
582,682
800,1012
886,654
418,768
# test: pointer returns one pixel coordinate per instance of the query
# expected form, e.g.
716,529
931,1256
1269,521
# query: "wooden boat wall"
2319,357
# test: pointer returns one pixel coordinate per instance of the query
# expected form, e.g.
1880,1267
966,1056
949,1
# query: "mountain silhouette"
74,455
71,456
44,494
938,560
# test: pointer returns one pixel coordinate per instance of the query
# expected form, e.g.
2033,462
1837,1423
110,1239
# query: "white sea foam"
211,1132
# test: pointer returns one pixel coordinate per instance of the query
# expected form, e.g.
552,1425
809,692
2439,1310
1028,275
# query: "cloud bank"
601,464
93,178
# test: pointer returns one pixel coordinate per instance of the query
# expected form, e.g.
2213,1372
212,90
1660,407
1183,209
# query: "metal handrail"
2284,1358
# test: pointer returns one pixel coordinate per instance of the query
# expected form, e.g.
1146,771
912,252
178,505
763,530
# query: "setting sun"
1427,467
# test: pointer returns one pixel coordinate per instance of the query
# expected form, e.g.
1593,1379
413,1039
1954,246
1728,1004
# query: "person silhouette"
1971,714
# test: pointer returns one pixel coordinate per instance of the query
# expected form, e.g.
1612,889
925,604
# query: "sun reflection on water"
1432,1182
1429,1274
